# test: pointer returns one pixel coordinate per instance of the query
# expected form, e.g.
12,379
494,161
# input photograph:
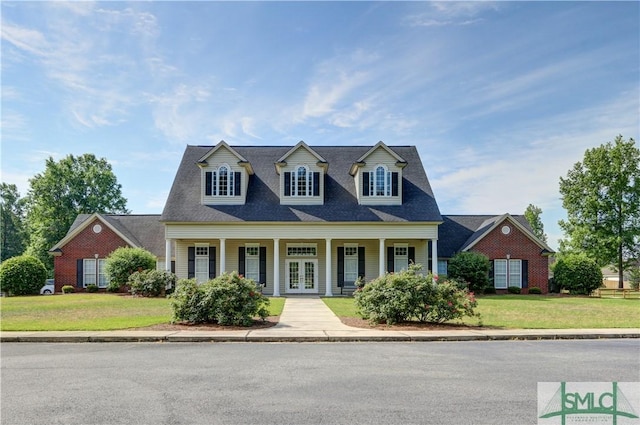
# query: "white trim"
276,267
328,290
501,219
84,225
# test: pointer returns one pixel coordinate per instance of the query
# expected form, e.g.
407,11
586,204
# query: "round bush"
92,288
578,274
472,268
534,290
514,290
23,275
229,299
125,261
151,283
68,289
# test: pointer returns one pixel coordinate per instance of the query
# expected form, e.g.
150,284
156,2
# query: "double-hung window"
380,182
507,272
500,274
400,257
93,272
252,262
202,263
350,263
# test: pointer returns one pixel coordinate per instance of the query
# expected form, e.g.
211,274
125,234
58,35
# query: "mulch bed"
257,324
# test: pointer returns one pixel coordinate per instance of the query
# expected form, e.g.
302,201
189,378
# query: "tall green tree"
12,226
602,197
532,214
71,186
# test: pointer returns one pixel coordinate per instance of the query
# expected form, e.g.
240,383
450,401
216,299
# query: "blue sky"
501,98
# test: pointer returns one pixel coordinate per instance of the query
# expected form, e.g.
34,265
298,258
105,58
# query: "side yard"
536,312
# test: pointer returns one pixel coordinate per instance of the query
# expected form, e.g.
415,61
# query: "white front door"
302,276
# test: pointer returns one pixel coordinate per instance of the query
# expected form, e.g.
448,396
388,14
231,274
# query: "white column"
167,254
434,257
328,290
223,255
276,267
381,260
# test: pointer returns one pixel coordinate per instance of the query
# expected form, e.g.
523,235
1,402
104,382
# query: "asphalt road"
492,382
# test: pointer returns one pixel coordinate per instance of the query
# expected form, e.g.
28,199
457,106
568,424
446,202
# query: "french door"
302,276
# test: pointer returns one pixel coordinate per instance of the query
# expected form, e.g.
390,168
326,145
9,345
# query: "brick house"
304,219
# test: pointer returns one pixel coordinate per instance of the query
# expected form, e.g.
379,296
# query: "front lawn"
80,312
537,312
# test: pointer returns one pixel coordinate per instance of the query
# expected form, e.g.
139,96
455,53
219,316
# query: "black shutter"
237,180
412,254
429,262
79,273
365,184
287,184
394,184
361,269
263,265
316,184
390,259
214,184
191,262
340,267
173,267
525,273
207,183
241,261
491,273
212,262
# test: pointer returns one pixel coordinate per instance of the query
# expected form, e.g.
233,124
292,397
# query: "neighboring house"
306,220
518,257
79,258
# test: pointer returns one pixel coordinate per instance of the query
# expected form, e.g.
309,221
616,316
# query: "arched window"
301,182
380,181
223,181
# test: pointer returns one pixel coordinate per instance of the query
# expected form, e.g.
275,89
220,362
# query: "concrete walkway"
308,319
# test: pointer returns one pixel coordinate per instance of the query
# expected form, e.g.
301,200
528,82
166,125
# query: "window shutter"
316,184
207,183
365,184
173,267
263,265
287,183
212,262
412,255
394,184
361,269
390,259
340,267
241,261
429,262
80,273
191,262
492,273
525,273
237,183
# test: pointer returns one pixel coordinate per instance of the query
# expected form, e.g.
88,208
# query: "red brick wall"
85,244
519,247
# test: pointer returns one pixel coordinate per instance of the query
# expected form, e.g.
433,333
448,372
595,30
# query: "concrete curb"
363,335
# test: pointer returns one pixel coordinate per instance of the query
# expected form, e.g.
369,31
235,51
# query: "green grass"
79,312
537,312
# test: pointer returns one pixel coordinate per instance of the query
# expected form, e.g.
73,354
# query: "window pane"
442,267
202,269
302,182
380,177
514,273
252,268
103,279
500,273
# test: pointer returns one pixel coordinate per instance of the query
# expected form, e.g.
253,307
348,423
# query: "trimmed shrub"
534,290
229,299
68,289
410,295
514,290
151,283
92,288
125,261
578,274
22,275
470,267
489,290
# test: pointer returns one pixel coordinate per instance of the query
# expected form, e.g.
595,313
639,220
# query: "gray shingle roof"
146,231
263,204
458,231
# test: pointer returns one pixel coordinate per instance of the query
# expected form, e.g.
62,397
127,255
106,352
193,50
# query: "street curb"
250,336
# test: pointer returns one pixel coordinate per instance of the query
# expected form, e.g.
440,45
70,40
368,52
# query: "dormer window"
222,182
380,182
301,182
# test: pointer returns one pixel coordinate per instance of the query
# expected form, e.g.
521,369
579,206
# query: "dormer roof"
222,144
360,162
282,161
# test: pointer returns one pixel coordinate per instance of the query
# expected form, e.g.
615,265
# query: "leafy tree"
125,261
602,199
12,232
22,275
470,267
577,273
71,186
532,214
